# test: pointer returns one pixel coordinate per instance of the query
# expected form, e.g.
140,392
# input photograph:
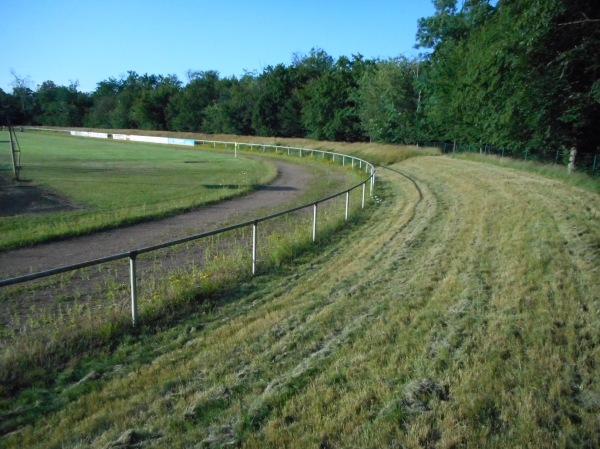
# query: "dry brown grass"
377,153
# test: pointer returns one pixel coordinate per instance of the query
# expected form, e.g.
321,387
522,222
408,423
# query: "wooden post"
571,165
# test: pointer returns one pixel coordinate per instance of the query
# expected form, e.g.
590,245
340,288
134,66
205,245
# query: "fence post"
314,228
347,204
364,187
594,165
254,237
133,283
571,165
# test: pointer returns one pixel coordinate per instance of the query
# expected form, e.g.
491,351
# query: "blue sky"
90,41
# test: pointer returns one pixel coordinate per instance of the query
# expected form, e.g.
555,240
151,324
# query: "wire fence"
588,163
255,243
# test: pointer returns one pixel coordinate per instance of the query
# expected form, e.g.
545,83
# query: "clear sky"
89,41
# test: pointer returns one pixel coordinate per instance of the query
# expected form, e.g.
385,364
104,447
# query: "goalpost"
15,151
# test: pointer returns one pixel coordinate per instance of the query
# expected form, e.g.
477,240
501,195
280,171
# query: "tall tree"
151,109
61,105
26,99
523,75
187,108
389,100
274,88
232,114
330,109
104,102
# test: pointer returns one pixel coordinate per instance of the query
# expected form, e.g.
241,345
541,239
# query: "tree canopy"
520,74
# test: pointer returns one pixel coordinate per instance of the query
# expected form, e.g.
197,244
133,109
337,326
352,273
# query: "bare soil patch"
22,198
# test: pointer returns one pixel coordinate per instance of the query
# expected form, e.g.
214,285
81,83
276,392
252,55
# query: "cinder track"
291,182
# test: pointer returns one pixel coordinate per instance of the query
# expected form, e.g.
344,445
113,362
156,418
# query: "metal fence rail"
132,255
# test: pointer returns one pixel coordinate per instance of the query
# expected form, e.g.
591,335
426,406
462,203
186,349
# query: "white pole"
254,237
314,229
364,186
347,204
133,281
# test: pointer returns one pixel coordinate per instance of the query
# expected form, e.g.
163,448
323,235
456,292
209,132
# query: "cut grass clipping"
464,313
33,358
105,183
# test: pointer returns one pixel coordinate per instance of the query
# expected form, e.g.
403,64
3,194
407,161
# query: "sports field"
83,184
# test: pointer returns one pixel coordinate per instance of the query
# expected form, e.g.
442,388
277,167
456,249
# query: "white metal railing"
236,146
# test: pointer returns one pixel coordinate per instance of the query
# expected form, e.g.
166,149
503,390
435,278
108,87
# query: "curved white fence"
342,159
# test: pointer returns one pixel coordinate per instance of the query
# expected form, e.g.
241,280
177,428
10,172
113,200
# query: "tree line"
521,74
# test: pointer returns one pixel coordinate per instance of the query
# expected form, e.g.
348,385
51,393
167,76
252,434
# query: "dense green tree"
151,109
522,75
330,109
274,88
9,109
104,102
187,108
24,99
61,105
389,101
232,114
283,93
130,89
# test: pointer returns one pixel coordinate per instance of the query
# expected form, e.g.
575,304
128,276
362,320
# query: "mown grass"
36,354
463,313
109,183
553,171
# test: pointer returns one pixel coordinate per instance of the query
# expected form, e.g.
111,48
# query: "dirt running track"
291,182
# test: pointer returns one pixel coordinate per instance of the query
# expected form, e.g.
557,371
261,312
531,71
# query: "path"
290,183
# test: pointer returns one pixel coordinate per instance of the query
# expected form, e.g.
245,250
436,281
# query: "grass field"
103,183
464,313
